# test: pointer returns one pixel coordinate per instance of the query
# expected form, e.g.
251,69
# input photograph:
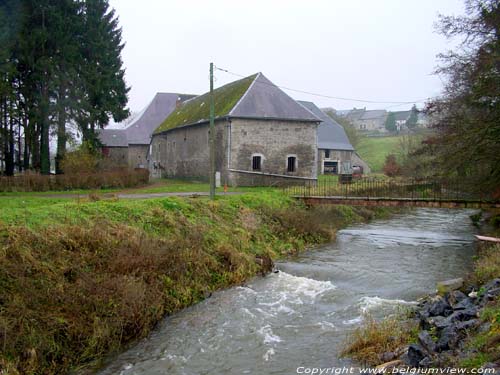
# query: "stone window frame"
262,158
296,164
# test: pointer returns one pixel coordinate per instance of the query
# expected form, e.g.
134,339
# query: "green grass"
80,279
374,150
163,185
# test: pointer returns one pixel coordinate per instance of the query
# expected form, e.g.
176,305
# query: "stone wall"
137,156
339,156
274,141
116,156
184,152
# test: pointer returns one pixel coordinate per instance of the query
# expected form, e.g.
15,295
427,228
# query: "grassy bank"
81,279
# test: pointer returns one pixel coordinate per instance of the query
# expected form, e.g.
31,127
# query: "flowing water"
300,316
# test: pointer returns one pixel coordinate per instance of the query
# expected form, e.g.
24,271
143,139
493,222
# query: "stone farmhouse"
334,149
263,137
368,120
129,146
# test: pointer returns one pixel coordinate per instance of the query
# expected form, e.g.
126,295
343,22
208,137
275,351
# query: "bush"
391,166
82,160
124,178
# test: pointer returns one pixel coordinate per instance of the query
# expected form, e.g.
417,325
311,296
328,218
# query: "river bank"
458,327
82,279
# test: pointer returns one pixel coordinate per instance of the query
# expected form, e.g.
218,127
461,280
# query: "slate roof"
402,115
139,130
251,97
374,115
113,137
331,135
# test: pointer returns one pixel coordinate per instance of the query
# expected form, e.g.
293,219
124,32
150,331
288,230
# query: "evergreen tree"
412,121
104,88
390,122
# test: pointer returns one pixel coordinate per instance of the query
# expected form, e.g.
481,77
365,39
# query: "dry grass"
74,291
29,182
487,266
373,338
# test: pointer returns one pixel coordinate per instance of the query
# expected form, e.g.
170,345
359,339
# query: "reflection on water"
300,316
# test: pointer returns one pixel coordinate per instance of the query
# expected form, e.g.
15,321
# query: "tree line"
466,118
60,64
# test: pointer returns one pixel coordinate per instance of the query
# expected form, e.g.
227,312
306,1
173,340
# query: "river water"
300,316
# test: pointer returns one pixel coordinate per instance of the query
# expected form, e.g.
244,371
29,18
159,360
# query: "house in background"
366,120
335,152
401,117
129,146
263,137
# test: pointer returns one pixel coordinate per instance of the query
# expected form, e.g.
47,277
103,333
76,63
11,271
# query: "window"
256,163
291,163
327,154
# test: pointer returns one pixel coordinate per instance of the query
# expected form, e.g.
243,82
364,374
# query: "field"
374,150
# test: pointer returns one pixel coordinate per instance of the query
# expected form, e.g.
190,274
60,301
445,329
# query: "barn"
263,137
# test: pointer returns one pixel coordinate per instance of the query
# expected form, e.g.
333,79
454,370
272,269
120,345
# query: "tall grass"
77,287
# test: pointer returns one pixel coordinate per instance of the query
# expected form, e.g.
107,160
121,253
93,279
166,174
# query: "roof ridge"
244,95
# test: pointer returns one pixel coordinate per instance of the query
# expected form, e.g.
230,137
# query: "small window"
291,163
256,163
327,154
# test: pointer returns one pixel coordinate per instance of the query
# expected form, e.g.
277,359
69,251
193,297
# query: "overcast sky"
382,50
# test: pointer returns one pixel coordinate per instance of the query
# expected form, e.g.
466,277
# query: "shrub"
81,160
391,166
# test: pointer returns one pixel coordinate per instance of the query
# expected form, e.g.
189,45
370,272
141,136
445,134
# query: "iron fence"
437,189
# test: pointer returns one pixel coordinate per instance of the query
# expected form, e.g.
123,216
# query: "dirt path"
126,195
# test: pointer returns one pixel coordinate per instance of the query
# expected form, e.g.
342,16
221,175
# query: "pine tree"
413,118
104,87
390,122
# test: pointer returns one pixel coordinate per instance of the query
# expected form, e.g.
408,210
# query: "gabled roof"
402,115
251,97
113,137
377,114
139,130
331,135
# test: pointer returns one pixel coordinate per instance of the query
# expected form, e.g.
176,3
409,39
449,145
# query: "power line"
397,103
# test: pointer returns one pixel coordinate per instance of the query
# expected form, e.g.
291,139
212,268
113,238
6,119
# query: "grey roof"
331,135
355,114
139,130
402,115
374,115
113,137
264,99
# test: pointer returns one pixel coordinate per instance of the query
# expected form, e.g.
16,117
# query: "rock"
439,307
463,315
448,339
426,362
493,284
444,287
455,296
473,294
415,355
440,322
425,339
464,304
387,356
467,325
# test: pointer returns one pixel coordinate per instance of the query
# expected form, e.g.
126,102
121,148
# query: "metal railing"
435,189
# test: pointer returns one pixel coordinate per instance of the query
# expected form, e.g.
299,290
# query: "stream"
301,315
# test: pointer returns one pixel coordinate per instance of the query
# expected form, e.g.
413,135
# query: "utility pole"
212,134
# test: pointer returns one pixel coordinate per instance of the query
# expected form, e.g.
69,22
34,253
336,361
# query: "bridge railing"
436,189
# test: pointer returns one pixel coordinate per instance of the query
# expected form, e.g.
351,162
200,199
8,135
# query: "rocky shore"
445,320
